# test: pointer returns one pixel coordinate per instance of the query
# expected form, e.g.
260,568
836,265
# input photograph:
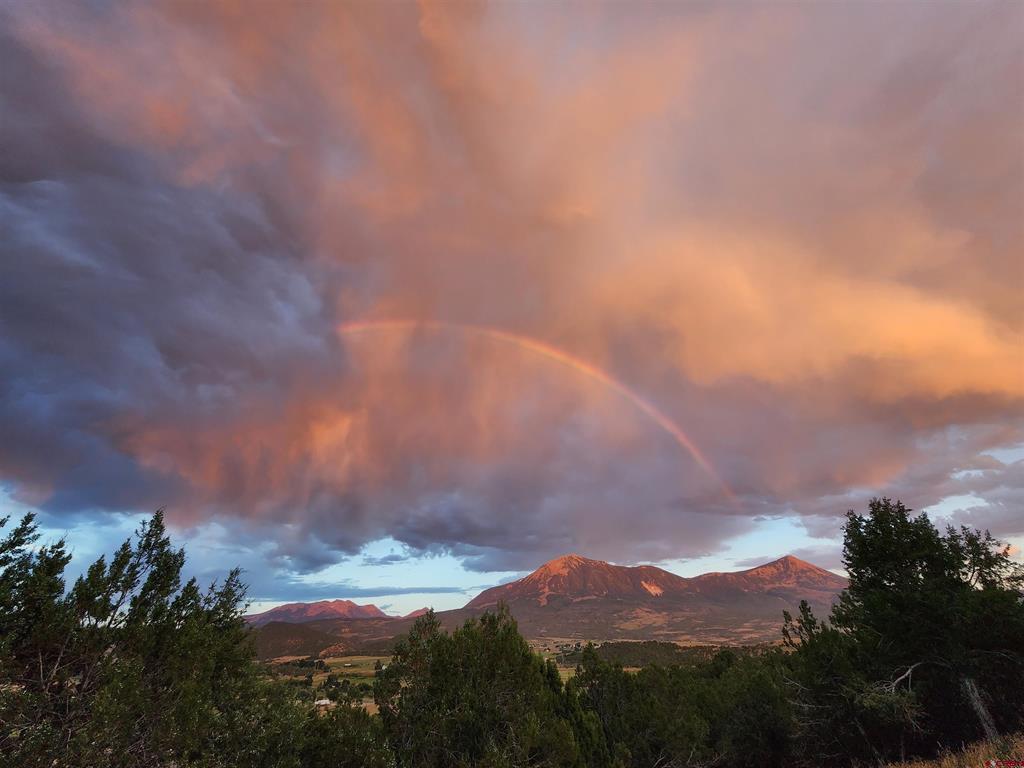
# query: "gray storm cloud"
793,231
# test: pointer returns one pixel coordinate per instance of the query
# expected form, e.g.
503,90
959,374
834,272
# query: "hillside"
280,639
300,613
574,599
577,578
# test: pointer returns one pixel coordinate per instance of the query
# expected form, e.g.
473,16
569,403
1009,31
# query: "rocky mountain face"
579,578
301,613
574,598
574,578
788,577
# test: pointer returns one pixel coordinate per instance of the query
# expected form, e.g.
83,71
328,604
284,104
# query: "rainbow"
551,353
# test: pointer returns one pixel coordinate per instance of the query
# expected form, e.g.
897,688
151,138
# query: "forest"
133,666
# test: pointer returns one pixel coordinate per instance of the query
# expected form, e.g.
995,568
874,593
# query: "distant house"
323,705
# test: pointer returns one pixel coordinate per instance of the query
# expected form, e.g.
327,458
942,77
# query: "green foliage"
925,648
729,711
130,667
345,737
477,696
629,653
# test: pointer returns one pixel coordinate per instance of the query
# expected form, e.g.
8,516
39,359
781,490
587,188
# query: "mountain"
573,578
788,577
301,613
276,639
575,599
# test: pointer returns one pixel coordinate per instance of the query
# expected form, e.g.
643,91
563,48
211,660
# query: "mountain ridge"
580,578
573,598
302,613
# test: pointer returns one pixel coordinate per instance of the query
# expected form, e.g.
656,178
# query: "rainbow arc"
558,355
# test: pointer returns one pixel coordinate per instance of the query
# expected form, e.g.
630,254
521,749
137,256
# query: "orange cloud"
729,306
766,225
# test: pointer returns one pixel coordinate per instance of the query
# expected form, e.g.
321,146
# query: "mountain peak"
790,564
566,563
574,579
299,613
787,571
789,561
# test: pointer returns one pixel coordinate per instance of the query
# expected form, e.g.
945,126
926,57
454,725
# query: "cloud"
303,590
791,238
389,559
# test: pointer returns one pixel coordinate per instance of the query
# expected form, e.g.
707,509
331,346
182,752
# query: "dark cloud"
303,590
391,558
194,199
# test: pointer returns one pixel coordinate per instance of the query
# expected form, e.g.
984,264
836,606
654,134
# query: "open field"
355,669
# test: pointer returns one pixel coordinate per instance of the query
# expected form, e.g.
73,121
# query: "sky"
397,301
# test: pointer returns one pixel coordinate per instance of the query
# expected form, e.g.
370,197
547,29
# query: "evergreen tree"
476,697
925,647
131,668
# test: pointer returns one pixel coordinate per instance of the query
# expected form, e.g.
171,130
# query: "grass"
976,756
360,671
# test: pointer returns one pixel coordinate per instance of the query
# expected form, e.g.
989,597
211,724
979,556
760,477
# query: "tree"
725,712
751,718
129,667
346,737
843,712
132,668
931,627
477,696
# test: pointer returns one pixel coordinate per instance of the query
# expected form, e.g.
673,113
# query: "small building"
323,705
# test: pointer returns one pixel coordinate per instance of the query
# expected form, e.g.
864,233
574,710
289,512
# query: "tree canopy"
925,647
132,667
